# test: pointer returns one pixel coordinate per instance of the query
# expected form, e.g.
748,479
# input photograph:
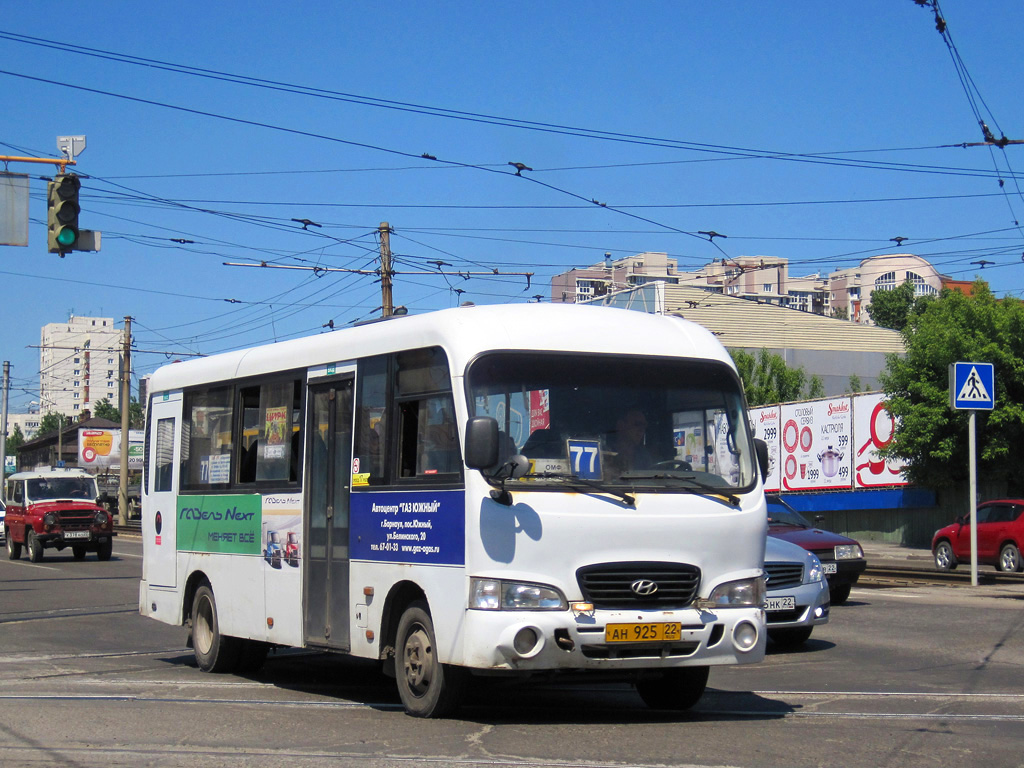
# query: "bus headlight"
849,552
745,593
499,595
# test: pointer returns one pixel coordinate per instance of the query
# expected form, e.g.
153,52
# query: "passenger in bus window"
439,444
628,441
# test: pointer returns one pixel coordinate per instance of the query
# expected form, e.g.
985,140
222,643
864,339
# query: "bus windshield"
646,424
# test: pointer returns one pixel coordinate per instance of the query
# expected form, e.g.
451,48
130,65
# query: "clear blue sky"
811,131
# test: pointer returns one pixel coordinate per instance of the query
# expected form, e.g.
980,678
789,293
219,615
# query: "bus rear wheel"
676,689
427,687
214,652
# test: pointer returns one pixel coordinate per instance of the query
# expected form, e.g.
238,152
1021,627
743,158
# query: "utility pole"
3,427
126,396
60,441
387,307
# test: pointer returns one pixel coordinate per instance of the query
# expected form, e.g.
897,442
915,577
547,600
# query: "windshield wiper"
711,490
582,482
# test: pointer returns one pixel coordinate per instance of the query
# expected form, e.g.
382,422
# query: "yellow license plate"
642,633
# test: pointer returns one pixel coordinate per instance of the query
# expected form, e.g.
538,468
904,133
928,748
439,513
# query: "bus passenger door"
160,505
326,621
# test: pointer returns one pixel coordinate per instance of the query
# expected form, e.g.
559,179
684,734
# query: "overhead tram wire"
561,190
974,97
365,145
347,142
294,89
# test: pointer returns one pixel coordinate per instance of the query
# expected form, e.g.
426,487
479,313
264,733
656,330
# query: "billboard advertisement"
764,423
815,445
874,426
828,444
101,448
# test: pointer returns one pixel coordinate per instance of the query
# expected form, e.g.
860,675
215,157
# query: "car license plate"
780,603
828,567
642,633
76,534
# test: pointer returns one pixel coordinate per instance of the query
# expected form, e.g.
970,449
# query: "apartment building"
846,292
79,363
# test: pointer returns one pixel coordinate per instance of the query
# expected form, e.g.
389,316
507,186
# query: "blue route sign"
972,386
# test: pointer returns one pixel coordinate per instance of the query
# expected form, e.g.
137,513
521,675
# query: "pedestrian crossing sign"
972,386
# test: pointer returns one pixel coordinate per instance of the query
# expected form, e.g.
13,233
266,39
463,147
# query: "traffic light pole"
61,163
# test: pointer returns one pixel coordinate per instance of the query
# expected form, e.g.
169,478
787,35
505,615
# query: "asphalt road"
902,676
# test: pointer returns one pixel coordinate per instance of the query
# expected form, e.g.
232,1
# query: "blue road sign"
972,386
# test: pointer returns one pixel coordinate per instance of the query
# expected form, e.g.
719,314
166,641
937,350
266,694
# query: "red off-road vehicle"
56,509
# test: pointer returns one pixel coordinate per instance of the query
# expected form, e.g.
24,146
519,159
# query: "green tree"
767,379
930,436
52,421
15,440
855,384
104,409
840,313
893,308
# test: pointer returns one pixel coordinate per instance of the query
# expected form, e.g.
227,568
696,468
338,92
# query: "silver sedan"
797,595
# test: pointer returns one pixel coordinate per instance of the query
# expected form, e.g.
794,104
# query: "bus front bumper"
615,640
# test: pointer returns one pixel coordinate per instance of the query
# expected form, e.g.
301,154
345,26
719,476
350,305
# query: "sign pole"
973,470
972,387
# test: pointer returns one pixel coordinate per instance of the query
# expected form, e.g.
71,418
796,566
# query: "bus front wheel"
427,687
676,689
214,652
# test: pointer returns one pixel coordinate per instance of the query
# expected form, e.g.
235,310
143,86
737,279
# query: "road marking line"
30,565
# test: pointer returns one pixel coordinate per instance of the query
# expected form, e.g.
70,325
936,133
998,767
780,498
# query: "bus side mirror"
481,442
761,449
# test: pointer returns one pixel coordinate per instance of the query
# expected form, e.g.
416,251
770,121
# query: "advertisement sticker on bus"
409,527
229,523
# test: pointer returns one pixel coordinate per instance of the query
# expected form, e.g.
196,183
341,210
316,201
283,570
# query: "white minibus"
522,490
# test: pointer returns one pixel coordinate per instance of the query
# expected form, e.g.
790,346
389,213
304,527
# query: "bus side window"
249,405
206,439
164,455
428,440
270,432
278,433
371,421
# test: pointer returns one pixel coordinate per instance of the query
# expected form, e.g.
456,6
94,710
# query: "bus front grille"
617,586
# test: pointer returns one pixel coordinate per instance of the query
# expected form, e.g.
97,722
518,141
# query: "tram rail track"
887,574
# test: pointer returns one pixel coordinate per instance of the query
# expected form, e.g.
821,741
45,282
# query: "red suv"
56,509
1000,536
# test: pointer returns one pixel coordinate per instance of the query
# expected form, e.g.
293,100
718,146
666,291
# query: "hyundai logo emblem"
644,587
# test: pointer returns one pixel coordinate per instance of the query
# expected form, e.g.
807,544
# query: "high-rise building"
79,363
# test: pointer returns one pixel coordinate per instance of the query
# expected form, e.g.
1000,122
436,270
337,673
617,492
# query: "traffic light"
62,215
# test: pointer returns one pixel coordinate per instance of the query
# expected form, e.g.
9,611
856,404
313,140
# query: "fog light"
525,640
744,636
